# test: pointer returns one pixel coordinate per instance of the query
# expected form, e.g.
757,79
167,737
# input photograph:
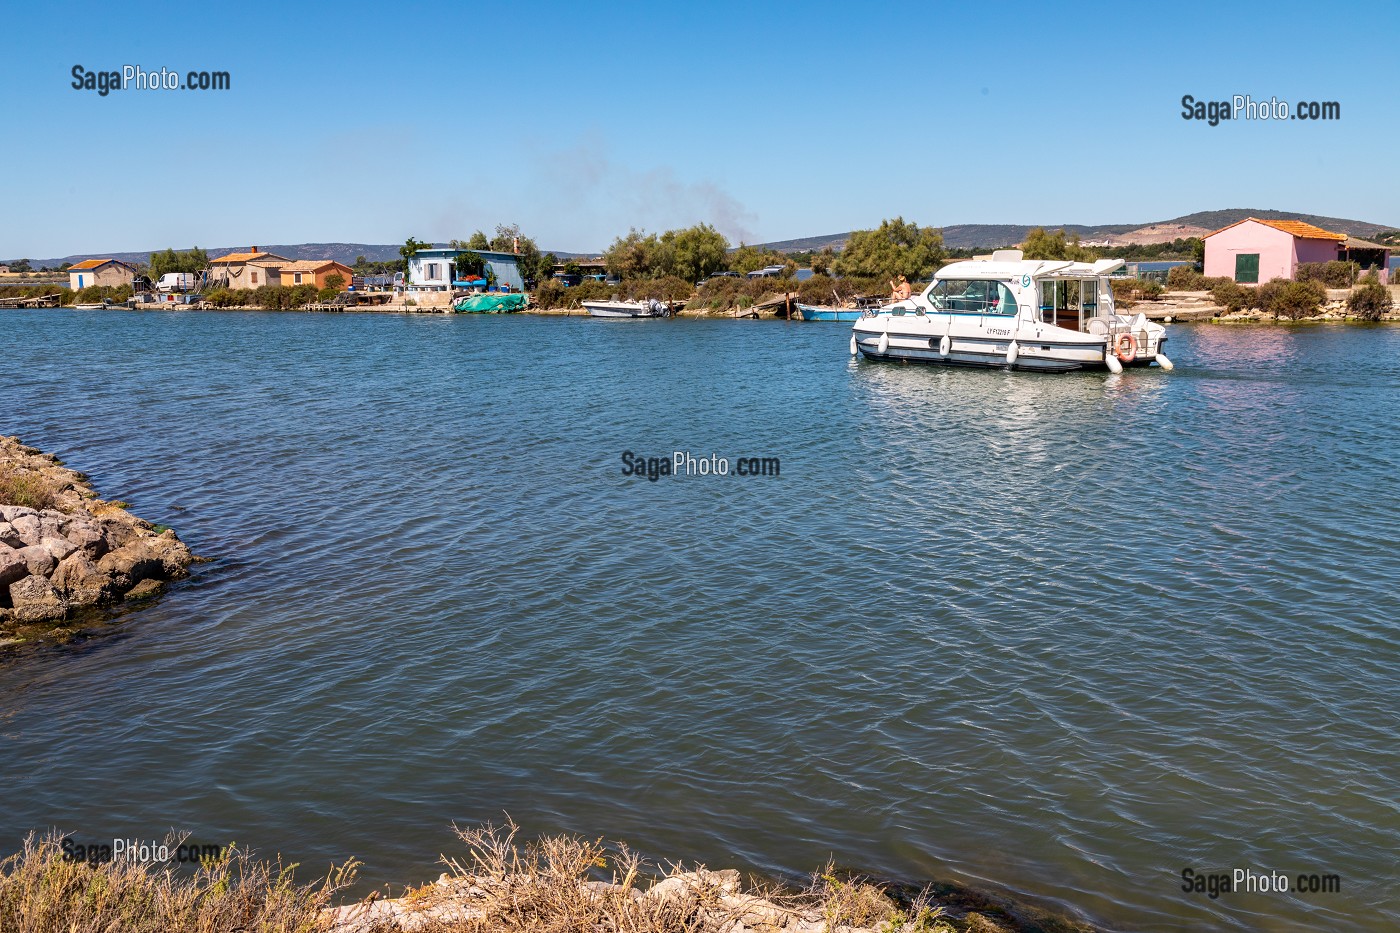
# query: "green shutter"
1247,268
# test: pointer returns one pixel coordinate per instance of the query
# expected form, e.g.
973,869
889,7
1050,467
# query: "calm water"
1060,636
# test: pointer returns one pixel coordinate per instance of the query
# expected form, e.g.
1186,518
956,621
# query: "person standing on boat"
899,289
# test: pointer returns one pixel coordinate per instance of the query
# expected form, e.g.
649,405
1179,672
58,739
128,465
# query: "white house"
435,269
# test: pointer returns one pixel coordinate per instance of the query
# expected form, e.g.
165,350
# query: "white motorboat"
649,308
1014,313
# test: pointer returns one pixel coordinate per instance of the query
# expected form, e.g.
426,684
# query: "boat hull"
974,341
620,309
821,313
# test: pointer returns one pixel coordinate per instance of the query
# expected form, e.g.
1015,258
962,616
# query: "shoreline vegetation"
500,884
69,559
696,270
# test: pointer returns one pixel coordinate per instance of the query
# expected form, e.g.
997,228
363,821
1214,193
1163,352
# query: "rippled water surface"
1059,636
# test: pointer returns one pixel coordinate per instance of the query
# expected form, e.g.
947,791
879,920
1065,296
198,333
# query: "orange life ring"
1125,346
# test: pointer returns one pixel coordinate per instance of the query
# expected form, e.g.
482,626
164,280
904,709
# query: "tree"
478,241
748,259
192,260
633,256
411,247
896,248
20,265
533,264
1042,245
335,282
695,252
822,262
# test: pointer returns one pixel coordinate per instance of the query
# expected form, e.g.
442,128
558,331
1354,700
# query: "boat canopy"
1003,269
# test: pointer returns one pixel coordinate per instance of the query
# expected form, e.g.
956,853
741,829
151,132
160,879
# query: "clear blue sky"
362,122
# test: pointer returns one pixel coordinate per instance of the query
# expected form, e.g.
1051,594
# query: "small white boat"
1014,313
648,308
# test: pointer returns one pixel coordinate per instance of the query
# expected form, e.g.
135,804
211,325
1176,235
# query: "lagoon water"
1061,637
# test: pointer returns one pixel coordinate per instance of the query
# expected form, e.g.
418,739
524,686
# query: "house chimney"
252,249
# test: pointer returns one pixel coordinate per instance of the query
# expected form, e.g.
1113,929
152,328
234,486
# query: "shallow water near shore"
1058,636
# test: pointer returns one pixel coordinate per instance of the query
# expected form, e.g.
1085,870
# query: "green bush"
1370,300
826,290
268,297
95,293
1186,279
1229,294
552,293
1334,274
1127,292
1290,299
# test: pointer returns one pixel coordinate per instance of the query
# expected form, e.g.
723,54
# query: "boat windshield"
972,296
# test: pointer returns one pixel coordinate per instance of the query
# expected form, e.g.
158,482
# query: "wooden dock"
40,301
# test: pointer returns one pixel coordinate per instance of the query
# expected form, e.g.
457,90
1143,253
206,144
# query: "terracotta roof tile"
1295,228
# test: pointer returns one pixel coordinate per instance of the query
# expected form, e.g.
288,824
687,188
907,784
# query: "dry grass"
25,487
556,884
564,884
43,892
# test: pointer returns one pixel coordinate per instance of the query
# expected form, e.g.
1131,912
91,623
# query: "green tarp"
491,303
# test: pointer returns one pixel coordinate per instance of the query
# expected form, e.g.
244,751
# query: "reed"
43,891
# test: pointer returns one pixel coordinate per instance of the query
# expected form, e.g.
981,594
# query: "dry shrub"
1371,299
564,884
41,891
19,486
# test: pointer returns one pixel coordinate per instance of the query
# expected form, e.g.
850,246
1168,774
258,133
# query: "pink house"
1253,250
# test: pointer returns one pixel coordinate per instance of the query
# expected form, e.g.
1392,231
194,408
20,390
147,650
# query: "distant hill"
960,236
977,236
341,252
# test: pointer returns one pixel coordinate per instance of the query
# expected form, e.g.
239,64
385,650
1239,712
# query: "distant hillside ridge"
990,236
340,252
957,236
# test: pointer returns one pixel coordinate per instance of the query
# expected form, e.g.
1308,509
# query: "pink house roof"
1294,228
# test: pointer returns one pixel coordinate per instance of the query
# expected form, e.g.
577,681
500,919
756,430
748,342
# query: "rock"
81,582
145,589
87,536
12,566
35,600
131,563
754,911
8,535
51,524
37,558
59,548
28,528
10,512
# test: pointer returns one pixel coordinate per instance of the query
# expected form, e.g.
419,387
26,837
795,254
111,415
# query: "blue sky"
364,122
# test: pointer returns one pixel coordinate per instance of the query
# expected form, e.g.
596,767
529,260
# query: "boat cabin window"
972,296
1068,302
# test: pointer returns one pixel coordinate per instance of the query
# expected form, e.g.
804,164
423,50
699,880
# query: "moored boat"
628,309
491,303
1014,313
825,313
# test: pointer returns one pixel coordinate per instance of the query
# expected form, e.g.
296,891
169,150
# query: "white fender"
1165,363
884,343
1012,352
854,348
1113,365
945,346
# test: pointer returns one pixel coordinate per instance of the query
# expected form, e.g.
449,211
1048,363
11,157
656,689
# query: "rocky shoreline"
65,553
569,883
